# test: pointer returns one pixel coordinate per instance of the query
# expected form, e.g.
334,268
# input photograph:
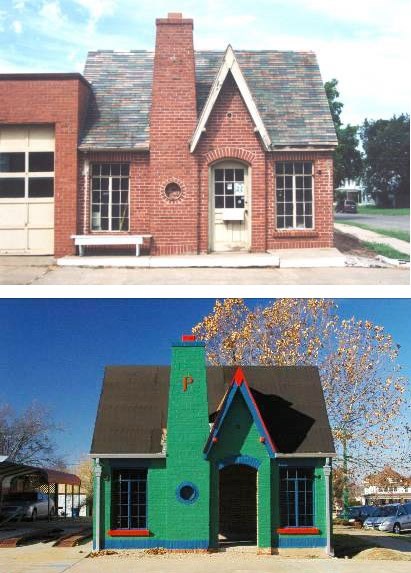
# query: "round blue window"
187,492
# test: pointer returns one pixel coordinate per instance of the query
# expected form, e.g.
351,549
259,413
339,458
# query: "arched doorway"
230,205
238,505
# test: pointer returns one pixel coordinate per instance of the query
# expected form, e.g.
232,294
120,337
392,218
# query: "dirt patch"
351,245
380,553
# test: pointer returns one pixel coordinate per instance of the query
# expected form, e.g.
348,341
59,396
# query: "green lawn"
385,250
380,211
395,233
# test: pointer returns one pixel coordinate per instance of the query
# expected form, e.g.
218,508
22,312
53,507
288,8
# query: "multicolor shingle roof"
286,86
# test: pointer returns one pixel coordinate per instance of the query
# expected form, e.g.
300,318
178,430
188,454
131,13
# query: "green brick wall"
188,429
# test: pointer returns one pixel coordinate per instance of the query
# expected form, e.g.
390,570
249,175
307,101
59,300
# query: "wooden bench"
82,241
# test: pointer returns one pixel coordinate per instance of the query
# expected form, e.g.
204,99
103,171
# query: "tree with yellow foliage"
358,363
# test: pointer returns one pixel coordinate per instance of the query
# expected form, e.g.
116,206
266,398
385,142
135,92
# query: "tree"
84,470
387,160
347,157
27,438
358,363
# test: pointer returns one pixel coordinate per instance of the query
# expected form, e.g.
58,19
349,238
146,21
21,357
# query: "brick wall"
230,135
172,122
61,102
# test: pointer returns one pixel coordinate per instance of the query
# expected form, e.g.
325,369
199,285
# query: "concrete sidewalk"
284,258
373,237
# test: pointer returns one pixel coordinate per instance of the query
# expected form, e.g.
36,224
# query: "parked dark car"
27,505
359,513
346,206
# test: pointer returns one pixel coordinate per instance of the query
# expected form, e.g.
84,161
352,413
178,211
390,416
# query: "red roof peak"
239,377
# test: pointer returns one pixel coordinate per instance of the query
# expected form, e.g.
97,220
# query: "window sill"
298,530
278,233
129,532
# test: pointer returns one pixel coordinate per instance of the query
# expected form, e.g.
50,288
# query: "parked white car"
393,517
27,505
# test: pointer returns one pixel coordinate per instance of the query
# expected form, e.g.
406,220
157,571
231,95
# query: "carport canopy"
11,470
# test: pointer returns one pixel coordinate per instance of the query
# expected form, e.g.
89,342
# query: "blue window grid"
297,497
129,499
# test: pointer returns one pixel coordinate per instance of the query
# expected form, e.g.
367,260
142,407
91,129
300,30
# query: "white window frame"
110,200
294,175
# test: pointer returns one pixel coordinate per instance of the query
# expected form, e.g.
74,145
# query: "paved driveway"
401,222
42,271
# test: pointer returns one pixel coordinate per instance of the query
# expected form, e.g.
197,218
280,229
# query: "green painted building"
192,457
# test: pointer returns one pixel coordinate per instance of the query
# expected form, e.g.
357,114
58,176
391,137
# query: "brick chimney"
172,122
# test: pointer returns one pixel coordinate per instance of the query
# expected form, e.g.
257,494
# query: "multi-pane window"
110,196
296,497
129,499
294,187
229,188
26,174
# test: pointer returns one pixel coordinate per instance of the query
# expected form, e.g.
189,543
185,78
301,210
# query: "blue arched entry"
238,500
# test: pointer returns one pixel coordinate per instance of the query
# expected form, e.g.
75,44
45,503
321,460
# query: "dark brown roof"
133,407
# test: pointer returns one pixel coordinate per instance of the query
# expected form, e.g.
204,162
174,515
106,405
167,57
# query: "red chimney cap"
174,15
188,338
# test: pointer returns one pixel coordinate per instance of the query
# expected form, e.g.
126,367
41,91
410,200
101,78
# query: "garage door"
27,190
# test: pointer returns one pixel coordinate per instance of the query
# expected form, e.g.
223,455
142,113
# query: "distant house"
194,457
386,486
186,151
354,190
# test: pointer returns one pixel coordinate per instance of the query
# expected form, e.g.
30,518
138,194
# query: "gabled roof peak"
230,64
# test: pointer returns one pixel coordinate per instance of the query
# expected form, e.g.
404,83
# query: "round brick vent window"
173,191
187,492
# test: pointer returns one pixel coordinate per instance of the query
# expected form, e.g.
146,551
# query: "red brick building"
196,151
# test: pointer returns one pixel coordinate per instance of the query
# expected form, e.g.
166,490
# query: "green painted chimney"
188,475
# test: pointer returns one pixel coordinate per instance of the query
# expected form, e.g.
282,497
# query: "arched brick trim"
239,460
229,153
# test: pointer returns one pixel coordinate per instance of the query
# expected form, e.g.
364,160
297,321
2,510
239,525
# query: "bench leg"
137,250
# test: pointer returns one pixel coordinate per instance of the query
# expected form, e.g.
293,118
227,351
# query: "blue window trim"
129,504
235,460
297,493
185,484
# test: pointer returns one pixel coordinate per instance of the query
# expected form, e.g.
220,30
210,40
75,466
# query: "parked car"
27,505
359,513
346,206
395,517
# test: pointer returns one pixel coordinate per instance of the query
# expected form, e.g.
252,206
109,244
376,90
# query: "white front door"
229,207
27,190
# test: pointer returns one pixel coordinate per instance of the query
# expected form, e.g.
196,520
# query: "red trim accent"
188,338
215,439
298,530
239,377
128,532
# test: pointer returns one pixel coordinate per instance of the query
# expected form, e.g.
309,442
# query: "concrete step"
286,258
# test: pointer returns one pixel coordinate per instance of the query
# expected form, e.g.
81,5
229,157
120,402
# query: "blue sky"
54,350
363,43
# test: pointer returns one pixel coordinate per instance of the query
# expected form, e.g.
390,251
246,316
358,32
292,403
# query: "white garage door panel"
41,214
27,224
12,240
38,239
41,138
13,215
